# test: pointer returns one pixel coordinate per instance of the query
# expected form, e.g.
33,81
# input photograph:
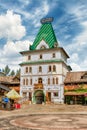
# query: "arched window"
49,68
26,81
48,80
26,69
43,47
39,80
53,80
54,68
30,69
53,55
30,81
23,81
29,57
40,56
40,69
56,80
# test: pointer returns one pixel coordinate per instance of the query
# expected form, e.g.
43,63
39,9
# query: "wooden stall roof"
9,79
76,77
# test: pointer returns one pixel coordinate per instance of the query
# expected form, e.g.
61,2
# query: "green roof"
47,34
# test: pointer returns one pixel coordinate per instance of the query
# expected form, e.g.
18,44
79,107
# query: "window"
53,80
55,94
26,69
56,80
24,94
29,57
54,68
49,68
39,80
26,81
23,81
40,56
48,80
40,69
30,69
30,81
53,55
43,47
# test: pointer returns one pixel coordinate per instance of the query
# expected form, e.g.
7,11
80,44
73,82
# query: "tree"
6,70
12,73
18,72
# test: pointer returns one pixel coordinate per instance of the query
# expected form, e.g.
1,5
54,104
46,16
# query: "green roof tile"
47,34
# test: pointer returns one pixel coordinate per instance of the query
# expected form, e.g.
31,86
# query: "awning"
13,94
74,93
4,87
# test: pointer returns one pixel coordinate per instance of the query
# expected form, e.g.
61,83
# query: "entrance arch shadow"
39,97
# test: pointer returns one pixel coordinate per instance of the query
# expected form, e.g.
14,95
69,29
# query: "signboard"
46,20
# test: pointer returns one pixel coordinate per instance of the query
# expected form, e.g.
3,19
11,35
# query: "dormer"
42,45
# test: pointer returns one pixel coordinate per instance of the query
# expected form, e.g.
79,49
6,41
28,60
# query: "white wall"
61,71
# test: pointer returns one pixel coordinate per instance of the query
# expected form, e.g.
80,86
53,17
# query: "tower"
44,67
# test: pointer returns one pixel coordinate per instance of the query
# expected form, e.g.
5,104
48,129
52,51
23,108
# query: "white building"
44,67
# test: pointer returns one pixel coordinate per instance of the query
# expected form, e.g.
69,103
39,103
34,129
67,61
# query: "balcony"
38,86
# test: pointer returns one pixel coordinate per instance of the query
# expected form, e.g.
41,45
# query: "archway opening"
39,96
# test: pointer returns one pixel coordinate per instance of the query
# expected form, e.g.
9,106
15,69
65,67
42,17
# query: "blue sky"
20,23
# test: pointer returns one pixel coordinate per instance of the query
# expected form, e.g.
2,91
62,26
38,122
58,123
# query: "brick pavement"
45,117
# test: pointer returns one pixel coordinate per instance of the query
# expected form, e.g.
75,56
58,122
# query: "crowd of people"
9,104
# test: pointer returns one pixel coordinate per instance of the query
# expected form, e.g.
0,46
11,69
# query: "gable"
15,79
42,45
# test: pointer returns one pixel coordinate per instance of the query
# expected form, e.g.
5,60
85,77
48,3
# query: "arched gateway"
38,97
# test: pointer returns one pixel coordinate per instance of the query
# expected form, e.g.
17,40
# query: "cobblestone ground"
45,117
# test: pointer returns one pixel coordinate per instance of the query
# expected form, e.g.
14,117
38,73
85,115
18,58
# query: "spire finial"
46,20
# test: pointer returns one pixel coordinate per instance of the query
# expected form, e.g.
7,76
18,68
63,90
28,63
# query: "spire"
45,33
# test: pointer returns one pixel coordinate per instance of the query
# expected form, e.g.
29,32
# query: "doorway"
39,97
49,96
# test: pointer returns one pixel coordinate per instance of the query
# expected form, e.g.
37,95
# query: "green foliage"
18,72
9,72
6,70
12,73
68,99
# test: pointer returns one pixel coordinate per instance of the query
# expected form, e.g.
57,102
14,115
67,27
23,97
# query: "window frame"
26,69
40,68
55,94
53,55
29,57
41,57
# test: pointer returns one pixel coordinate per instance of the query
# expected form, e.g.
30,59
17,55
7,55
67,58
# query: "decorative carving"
38,86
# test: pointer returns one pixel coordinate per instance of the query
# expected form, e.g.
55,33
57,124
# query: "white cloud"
36,14
11,26
74,57
9,55
78,45
81,39
24,2
75,67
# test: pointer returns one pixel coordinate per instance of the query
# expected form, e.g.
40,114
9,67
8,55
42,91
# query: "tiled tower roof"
47,34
